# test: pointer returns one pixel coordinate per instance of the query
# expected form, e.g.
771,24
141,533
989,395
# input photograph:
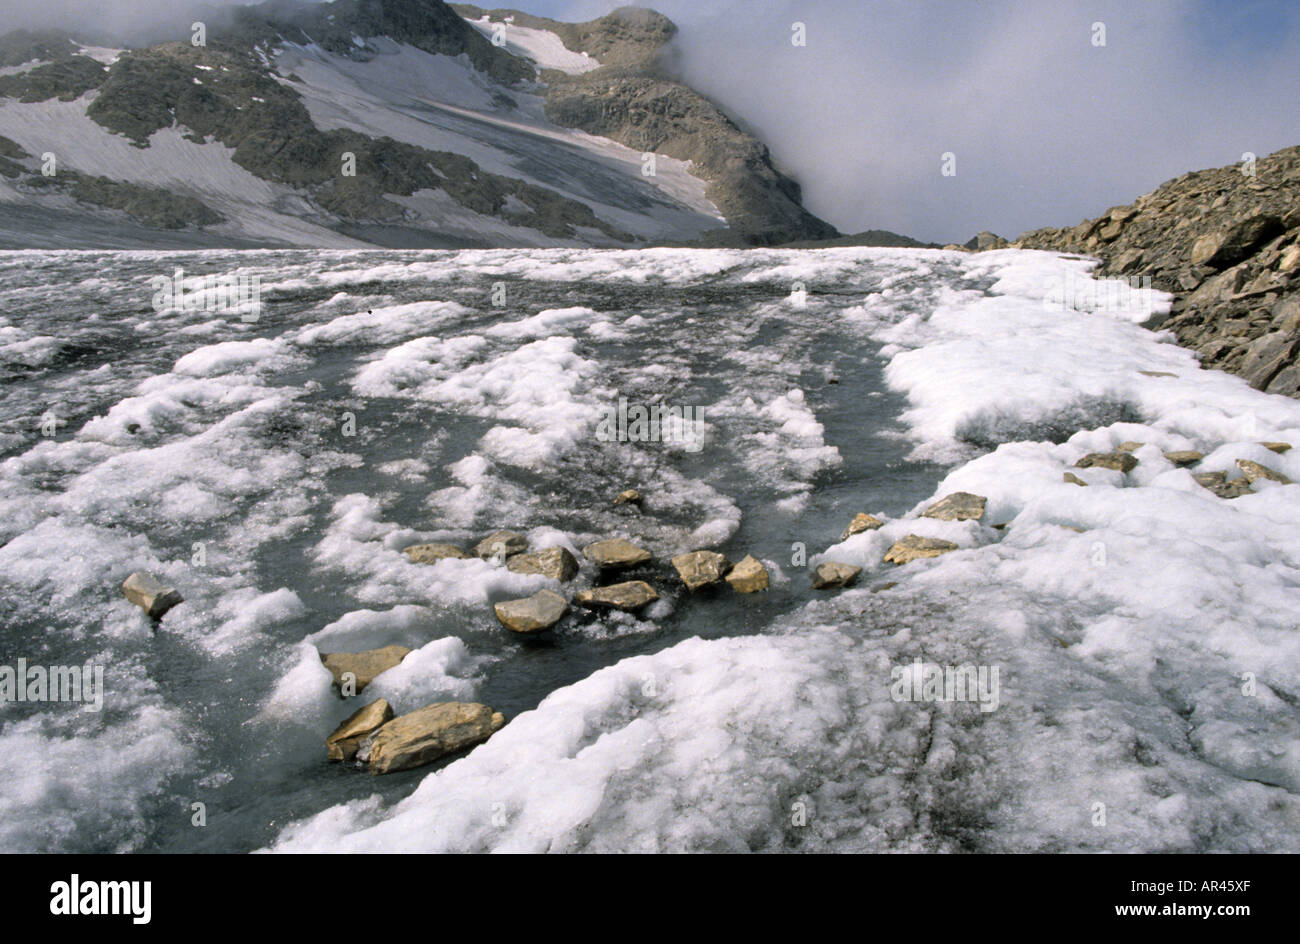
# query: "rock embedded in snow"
1129,446
1253,472
1218,483
749,576
1278,447
615,554
532,614
150,594
630,596
1156,373
432,553
628,497
861,522
831,575
501,544
554,562
1119,461
1184,457
342,744
1071,479
701,568
363,666
914,547
959,506
428,733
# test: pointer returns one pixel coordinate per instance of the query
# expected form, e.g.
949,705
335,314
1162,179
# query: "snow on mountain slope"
541,46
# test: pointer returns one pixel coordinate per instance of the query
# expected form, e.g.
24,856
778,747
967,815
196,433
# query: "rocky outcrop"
532,614
425,735
1226,242
150,594
361,666
700,569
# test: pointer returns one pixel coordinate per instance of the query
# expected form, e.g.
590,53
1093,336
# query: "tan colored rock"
554,562
364,666
701,568
150,594
882,587
1184,457
1289,260
628,497
501,544
861,522
342,744
959,506
749,576
1130,446
1217,482
1119,461
630,596
1253,472
532,614
432,553
831,575
1072,479
914,547
615,554
428,733
1157,373
1278,447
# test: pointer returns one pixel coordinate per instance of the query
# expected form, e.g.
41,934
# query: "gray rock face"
501,544
630,596
616,554
342,744
1227,244
431,732
150,594
1119,461
830,575
914,547
432,553
532,614
701,568
364,666
959,506
554,562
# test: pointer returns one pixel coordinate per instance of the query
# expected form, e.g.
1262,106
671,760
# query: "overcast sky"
1046,127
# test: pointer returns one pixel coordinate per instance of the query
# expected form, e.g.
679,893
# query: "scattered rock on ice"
432,553
749,576
830,575
628,497
1253,472
630,596
1278,447
959,506
342,744
861,522
1073,479
150,594
532,614
428,733
364,666
1184,457
701,568
501,544
1119,461
554,562
615,554
914,547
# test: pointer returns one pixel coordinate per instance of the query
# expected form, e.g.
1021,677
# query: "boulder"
342,744
1184,457
914,547
501,544
364,666
861,522
749,576
630,596
959,506
554,562
701,568
150,594
831,575
628,497
432,553
532,614
428,733
615,554
1119,461
1253,472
